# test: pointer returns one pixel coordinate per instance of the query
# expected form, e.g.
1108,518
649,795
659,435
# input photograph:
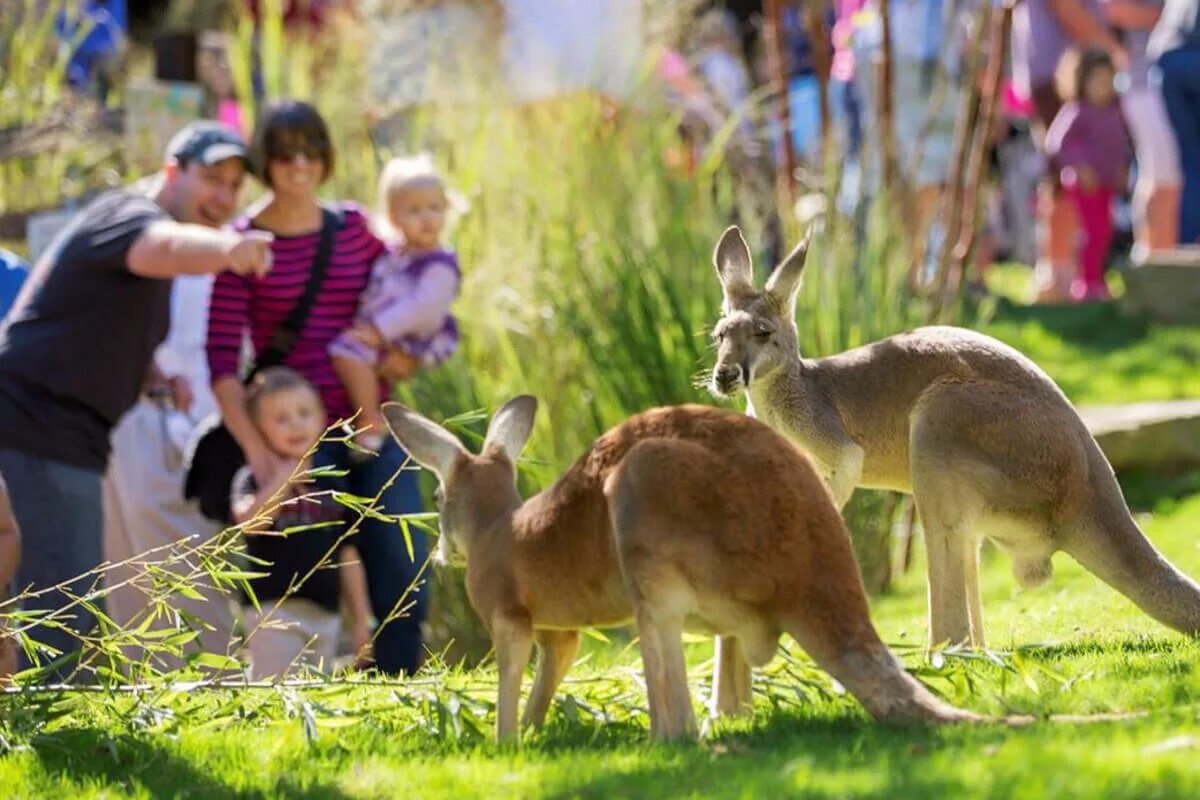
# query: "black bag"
213,456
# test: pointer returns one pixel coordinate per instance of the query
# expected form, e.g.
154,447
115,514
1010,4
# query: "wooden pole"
892,180
776,66
964,138
818,36
964,250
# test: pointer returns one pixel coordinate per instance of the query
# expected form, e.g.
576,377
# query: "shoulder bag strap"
289,330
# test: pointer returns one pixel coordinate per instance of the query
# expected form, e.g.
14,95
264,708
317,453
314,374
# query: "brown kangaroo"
676,518
981,437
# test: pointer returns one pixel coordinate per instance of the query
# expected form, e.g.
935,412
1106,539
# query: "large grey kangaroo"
981,437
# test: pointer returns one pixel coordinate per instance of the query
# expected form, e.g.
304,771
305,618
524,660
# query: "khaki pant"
144,509
8,649
295,633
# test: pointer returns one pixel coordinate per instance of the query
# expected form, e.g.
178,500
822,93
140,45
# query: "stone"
1147,435
1166,286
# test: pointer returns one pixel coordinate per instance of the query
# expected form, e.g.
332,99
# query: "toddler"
294,529
406,304
1088,145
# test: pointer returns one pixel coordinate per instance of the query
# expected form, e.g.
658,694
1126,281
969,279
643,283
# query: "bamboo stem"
893,181
964,251
965,134
775,66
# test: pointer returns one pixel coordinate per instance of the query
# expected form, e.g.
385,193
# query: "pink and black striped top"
260,305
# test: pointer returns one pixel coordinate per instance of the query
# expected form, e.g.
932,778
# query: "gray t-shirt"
76,345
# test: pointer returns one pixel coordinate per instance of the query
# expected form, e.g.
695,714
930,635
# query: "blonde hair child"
406,305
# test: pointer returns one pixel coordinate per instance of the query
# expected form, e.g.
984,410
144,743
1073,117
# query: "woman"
293,155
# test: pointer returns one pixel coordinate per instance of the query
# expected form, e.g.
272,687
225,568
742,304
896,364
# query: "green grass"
1096,353
1083,649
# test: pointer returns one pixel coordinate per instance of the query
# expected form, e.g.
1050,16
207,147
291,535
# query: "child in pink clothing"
1089,146
406,304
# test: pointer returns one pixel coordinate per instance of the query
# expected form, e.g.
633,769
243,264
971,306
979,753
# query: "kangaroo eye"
718,336
762,336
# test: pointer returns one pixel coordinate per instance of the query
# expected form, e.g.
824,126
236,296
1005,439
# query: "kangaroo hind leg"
556,651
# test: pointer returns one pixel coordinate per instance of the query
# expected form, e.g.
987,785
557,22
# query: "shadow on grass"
788,755
1096,326
125,762
1091,647
1148,490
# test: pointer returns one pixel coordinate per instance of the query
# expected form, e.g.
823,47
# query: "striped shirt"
260,305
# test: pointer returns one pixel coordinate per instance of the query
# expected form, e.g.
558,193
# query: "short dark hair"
284,127
1074,69
273,380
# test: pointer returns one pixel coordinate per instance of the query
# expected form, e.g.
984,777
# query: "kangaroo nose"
728,376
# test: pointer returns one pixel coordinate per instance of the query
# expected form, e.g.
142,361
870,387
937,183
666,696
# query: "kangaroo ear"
510,428
784,283
429,444
732,260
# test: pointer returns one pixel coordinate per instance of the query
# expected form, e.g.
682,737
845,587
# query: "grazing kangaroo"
980,436
675,518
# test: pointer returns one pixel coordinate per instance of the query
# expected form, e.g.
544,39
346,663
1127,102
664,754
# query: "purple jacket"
1084,135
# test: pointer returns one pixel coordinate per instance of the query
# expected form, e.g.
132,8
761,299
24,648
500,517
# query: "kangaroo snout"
728,379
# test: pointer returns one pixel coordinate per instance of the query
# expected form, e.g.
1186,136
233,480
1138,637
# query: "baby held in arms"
406,305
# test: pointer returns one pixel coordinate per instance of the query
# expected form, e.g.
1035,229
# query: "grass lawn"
1095,353
1071,647
1084,650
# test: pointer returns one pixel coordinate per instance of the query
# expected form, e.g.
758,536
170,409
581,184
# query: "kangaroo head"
473,490
756,334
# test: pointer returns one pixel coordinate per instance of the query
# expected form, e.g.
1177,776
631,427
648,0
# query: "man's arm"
1083,28
166,249
1132,15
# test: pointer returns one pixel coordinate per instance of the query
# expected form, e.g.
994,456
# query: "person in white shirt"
144,508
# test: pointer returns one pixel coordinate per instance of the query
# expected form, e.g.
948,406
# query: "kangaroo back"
727,528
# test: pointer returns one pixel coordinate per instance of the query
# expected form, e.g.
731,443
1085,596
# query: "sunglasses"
311,151
288,147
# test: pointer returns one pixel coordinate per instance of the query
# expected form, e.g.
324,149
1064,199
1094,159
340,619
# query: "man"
144,507
78,342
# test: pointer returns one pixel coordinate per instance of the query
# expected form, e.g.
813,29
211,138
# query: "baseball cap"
208,142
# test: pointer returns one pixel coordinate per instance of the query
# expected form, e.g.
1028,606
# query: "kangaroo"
673,519
981,437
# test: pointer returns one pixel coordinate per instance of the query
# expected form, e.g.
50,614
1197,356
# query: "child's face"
1098,89
419,213
291,421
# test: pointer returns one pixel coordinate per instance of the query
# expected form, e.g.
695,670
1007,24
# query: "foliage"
61,147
